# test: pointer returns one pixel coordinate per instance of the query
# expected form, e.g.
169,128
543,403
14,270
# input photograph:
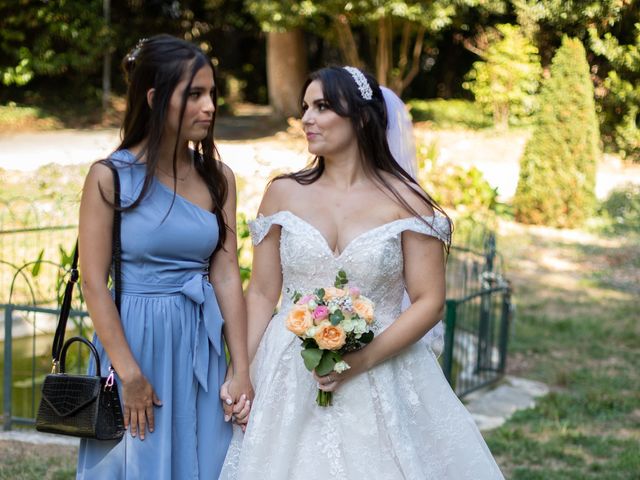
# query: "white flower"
348,324
360,327
341,366
312,305
311,332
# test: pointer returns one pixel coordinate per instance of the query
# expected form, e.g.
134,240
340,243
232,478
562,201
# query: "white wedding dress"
400,420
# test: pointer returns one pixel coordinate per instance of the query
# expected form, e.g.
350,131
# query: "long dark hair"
161,62
369,120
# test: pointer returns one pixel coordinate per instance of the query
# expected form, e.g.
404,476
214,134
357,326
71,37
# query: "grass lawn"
578,330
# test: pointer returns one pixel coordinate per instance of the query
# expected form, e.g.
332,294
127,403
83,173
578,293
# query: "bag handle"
67,344
58,339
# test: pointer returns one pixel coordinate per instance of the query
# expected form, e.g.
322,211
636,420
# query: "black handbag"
82,405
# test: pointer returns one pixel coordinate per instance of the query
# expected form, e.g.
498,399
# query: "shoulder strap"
65,308
117,247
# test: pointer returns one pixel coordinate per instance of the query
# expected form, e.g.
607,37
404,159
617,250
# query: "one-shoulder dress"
173,325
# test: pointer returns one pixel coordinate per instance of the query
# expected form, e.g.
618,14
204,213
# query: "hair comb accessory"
361,81
133,54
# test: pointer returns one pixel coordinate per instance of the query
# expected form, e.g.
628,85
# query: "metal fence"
478,312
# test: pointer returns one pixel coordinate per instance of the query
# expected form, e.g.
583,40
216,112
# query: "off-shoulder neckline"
369,231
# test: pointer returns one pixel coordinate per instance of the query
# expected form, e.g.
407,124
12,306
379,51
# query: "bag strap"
116,240
65,308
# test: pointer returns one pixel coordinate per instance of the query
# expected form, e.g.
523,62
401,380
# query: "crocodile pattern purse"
82,405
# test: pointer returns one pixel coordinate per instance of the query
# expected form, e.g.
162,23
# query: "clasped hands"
237,394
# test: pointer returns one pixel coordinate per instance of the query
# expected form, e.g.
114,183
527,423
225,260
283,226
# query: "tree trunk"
383,54
106,60
286,71
347,43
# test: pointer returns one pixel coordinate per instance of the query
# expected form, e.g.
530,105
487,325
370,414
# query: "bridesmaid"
178,245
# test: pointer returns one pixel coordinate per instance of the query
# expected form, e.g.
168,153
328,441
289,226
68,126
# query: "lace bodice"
398,420
373,260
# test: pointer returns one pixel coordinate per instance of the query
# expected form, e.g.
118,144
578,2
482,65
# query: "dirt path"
255,146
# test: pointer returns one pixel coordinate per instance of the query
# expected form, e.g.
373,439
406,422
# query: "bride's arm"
424,270
264,288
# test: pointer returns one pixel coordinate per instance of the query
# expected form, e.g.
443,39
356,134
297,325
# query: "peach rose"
330,337
364,308
332,292
299,319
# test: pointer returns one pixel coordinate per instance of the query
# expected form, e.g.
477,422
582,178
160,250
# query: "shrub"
506,80
622,209
454,187
450,113
558,168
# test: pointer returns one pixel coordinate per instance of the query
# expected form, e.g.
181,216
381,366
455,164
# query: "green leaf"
309,343
336,317
366,337
36,266
296,296
327,362
312,357
320,293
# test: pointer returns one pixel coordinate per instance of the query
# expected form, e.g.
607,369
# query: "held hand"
331,381
139,399
237,409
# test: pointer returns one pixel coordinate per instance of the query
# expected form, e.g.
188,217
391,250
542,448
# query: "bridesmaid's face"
327,132
198,113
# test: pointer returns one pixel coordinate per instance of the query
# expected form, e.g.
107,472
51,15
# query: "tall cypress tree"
558,168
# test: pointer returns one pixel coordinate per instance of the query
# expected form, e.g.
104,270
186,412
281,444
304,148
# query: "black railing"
477,317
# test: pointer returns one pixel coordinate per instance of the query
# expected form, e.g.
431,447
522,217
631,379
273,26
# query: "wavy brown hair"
369,121
161,62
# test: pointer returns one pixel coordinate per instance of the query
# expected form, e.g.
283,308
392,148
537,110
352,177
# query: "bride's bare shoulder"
278,194
411,193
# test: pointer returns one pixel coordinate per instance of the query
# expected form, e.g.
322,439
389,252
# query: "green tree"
397,29
558,168
621,98
506,80
609,30
49,38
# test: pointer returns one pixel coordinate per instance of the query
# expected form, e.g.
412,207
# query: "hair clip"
361,82
133,55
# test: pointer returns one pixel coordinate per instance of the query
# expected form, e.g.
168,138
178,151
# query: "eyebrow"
317,101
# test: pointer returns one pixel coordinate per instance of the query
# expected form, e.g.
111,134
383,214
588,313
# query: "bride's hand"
331,381
237,394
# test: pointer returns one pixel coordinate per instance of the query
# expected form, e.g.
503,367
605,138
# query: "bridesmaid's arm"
262,296
225,276
96,226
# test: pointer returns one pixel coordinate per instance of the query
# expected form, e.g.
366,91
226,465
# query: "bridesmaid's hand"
139,399
237,407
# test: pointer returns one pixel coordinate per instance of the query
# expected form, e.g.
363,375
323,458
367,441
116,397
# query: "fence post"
8,317
504,328
450,327
483,360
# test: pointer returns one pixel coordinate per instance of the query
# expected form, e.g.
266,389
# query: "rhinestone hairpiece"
361,82
133,55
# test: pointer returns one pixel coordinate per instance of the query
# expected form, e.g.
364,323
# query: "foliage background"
52,52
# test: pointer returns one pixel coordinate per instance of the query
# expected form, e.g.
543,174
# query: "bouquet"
330,322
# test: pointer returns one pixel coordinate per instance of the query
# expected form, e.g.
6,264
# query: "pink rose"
304,300
320,313
354,291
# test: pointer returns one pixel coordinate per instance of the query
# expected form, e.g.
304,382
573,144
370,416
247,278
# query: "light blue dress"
173,325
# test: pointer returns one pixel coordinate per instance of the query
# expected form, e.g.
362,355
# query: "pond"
30,363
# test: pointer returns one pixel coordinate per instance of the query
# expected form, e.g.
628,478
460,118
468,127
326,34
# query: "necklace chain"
170,175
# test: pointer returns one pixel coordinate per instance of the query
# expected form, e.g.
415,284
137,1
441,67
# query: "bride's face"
328,133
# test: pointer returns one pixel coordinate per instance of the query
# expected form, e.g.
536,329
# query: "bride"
355,209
